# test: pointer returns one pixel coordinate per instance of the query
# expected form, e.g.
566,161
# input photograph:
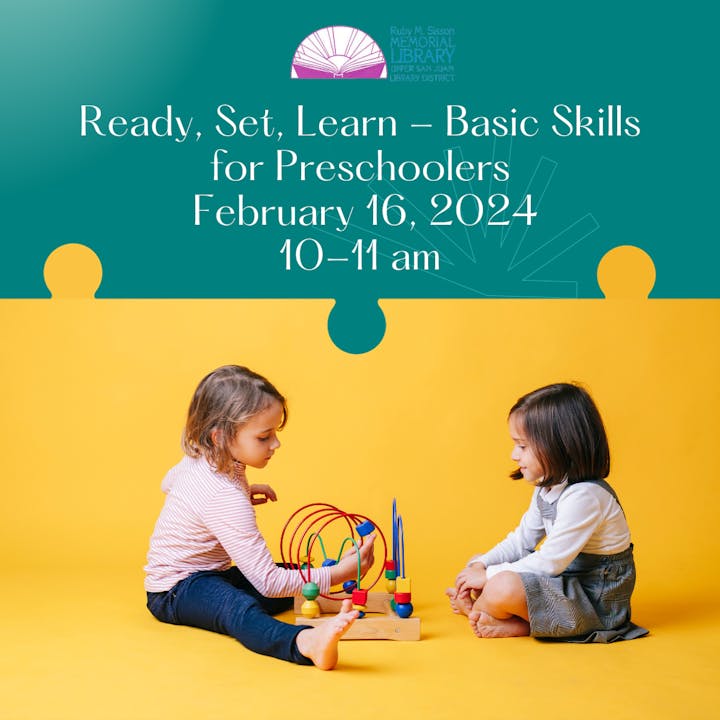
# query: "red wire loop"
318,517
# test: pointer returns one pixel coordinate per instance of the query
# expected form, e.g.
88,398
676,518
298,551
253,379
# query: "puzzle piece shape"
73,271
626,272
356,326
129,193
111,379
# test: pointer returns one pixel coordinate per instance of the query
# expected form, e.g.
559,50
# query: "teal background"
131,200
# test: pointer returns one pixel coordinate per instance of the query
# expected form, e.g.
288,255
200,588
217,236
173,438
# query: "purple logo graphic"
338,52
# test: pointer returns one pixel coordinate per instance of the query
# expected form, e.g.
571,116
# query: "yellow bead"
310,609
403,585
390,586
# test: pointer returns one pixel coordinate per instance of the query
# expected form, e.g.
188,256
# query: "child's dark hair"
565,431
224,400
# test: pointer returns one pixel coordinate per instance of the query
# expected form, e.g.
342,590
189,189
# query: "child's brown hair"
224,400
565,431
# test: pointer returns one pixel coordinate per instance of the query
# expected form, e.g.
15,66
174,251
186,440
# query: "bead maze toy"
383,615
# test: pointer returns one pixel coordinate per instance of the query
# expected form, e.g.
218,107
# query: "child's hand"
471,578
260,494
347,568
367,554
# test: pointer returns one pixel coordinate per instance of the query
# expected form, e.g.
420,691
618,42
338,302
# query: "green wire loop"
322,546
357,551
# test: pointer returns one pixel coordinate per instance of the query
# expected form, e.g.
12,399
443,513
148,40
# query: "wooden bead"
362,609
310,590
364,528
310,609
404,610
349,586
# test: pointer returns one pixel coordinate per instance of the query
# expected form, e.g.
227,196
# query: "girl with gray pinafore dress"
576,585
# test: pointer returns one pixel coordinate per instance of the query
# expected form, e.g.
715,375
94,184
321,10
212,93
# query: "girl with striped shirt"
208,565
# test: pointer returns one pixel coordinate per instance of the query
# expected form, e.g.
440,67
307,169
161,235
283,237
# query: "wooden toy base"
379,623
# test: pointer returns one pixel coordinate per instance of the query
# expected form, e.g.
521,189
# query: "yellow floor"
94,395
81,648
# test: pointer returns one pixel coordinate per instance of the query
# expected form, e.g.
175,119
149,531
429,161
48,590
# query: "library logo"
338,53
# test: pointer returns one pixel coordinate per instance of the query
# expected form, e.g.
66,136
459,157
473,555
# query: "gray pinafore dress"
590,600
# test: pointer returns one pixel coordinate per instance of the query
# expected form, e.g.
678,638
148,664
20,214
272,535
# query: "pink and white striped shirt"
208,523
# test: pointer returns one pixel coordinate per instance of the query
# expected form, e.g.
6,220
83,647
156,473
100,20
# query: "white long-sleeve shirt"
588,520
208,523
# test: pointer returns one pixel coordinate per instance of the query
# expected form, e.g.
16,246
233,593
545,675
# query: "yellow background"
94,397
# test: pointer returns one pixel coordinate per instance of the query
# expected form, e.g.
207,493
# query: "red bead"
359,597
402,597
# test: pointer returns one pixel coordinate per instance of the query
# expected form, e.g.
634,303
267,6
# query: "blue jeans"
225,602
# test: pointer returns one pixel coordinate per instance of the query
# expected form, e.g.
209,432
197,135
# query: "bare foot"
475,612
320,643
489,627
459,605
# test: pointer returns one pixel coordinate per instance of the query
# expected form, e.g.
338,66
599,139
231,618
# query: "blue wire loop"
401,546
395,534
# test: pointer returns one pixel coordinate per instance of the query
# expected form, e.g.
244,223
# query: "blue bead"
365,528
329,562
349,586
404,610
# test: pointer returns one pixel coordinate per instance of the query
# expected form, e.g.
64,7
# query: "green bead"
310,590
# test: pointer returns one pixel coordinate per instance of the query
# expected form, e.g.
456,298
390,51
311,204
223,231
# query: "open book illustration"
338,52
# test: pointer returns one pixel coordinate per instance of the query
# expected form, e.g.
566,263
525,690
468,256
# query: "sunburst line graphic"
500,269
